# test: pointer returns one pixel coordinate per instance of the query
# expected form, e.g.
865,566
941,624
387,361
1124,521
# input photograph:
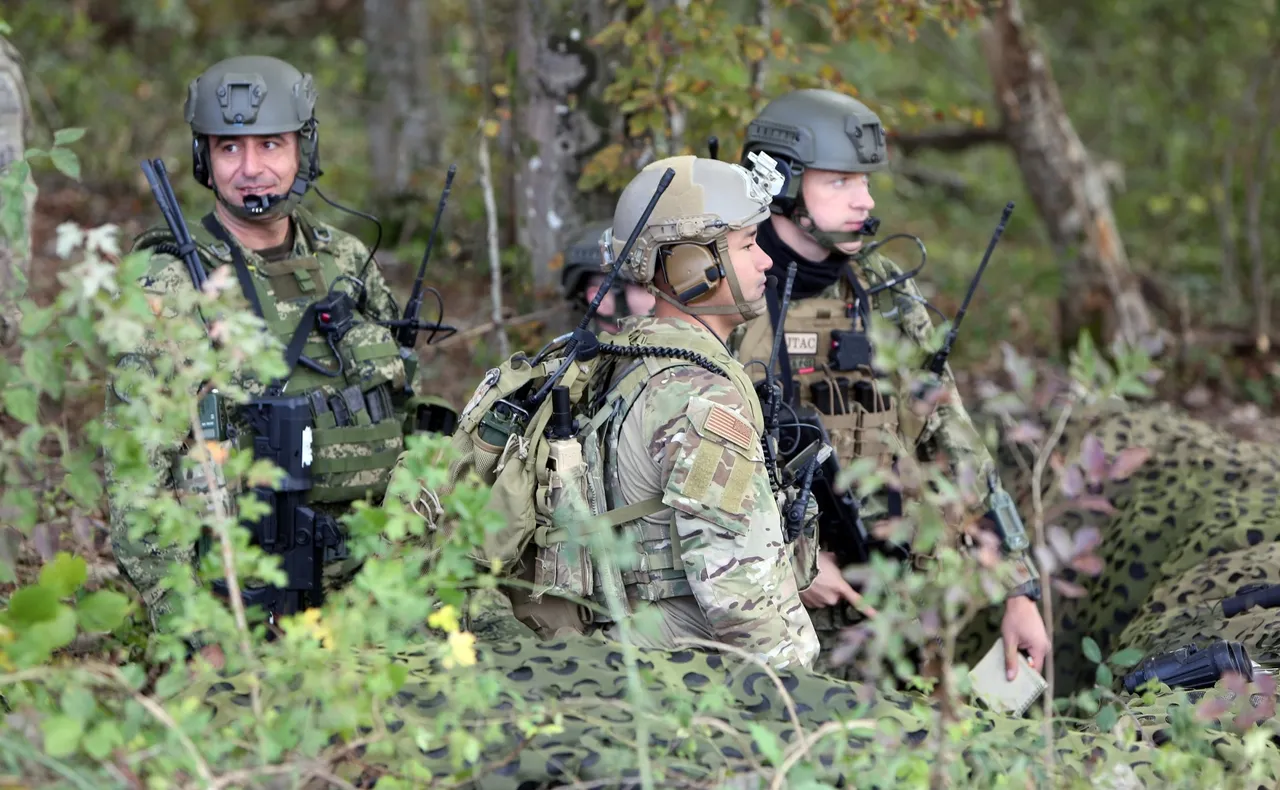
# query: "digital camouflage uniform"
359,416
824,130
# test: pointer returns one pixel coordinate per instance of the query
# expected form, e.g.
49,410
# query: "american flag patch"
727,425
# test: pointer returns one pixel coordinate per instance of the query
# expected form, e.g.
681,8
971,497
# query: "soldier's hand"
829,587
214,655
1023,629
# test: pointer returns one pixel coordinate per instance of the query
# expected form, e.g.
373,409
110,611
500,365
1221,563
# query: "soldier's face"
750,263
253,165
838,202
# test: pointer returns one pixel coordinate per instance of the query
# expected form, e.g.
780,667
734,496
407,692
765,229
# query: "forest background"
1139,155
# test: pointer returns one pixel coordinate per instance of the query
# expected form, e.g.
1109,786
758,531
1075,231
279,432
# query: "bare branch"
953,139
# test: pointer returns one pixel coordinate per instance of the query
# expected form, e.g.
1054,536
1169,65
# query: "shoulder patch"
722,422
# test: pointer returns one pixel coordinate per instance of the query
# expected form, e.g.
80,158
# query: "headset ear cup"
693,271
200,160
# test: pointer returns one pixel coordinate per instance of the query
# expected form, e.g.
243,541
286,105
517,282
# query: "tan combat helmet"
687,230
254,95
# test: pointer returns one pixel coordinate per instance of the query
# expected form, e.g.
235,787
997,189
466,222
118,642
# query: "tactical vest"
861,419
358,434
658,571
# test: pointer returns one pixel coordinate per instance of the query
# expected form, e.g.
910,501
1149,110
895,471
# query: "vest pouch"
876,434
353,460
565,513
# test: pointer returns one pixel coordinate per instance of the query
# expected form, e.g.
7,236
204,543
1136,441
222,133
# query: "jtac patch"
729,426
802,343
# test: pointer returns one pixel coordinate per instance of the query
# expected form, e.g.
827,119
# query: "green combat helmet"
823,130
254,95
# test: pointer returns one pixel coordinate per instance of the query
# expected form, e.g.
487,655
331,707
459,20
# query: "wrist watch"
1031,589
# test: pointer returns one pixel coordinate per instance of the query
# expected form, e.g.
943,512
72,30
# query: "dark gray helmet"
254,95
819,129
583,258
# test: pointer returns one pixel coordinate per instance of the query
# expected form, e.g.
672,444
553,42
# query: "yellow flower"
445,618
462,650
310,622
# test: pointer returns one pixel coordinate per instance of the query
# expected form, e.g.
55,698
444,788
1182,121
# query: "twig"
495,266
228,562
1046,595
760,69
794,754
489,326
777,681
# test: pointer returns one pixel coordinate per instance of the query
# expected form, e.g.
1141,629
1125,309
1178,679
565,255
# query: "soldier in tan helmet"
681,459
826,146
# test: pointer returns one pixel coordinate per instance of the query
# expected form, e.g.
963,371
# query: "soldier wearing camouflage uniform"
255,145
582,276
683,460
826,145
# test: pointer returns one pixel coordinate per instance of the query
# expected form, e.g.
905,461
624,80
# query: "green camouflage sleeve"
946,430
726,519
141,559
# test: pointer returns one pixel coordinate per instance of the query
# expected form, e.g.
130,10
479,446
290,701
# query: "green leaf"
68,135
1103,676
104,610
66,161
64,574
40,367
1127,657
21,403
1107,718
23,501
61,735
102,739
768,744
33,604
78,703
1091,649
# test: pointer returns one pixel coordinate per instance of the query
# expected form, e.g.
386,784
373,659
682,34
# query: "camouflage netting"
1191,526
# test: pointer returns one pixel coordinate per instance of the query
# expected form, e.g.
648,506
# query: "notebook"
989,682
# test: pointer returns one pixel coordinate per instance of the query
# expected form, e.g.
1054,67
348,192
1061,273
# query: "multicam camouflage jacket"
359,415
714,561
946,431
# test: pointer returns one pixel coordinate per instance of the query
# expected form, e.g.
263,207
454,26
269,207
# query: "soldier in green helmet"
255,145
584,273
826,145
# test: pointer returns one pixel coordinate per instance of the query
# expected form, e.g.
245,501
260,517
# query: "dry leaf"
1128,461
1094,459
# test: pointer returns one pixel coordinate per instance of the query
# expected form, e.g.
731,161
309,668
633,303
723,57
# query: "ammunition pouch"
283,431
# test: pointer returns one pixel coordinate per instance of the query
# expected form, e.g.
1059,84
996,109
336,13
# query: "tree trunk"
553,135
15,127
1101,293
402,105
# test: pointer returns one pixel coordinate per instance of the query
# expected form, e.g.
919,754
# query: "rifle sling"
293,353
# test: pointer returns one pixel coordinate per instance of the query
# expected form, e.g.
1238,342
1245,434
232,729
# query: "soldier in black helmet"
827,145
585,271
